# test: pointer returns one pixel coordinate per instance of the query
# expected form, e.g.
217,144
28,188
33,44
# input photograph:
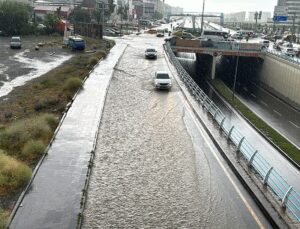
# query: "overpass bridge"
218,48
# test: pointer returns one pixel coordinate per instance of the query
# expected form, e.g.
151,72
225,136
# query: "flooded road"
17,66
155,166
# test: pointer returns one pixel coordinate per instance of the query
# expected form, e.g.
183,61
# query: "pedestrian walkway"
53,200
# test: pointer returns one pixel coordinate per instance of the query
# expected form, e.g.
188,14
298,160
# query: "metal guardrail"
284,193
283,56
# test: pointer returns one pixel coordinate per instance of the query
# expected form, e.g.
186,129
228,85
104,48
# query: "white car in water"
162,80
15,43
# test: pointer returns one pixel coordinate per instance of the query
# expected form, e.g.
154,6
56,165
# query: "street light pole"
202,18
235,73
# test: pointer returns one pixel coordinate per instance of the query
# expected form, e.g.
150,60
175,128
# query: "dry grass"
13,174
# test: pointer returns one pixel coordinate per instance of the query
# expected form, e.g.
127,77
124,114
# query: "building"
42,10
264,17
235,17
292,8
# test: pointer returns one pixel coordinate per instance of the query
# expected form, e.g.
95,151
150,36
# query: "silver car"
15,43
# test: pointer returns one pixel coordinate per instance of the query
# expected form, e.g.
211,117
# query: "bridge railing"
283,56
286,196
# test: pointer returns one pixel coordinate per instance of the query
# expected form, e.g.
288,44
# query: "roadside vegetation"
268,131
30,114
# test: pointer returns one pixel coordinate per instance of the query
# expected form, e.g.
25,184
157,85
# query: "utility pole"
202,17
236,71
293,30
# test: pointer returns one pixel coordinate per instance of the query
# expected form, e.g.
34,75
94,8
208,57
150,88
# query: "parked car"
162,80
76,43
187,36
289,52
15,42
297,52
150,53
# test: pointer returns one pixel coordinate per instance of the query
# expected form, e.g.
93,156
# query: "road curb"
91,161
269,213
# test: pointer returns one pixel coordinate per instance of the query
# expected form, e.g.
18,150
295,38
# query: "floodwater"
154,167
19,66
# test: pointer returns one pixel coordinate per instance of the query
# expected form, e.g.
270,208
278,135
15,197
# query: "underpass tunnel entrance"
199,66
248,69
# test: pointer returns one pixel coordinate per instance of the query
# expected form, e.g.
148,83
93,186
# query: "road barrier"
283,56
285,194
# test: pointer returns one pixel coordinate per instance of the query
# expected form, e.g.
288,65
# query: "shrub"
39,105
14,137
3,218
72,84
33,149
51,120
93,61
13,174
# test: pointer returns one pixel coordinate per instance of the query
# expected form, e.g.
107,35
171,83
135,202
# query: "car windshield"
15,40
150,50
162,76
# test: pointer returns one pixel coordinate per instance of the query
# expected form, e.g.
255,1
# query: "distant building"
264,17
42,10
292,8
235,17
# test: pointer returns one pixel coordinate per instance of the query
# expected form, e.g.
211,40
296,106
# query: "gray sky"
224,6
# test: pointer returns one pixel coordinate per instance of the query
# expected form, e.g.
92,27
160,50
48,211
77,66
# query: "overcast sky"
224,6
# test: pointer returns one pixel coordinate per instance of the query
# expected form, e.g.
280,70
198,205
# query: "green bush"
3,218
51,120
33,149
13,174
93,61
72,84
14,137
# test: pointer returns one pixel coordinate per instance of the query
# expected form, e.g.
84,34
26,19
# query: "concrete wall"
282,78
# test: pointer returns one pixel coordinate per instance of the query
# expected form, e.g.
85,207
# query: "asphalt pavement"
155,166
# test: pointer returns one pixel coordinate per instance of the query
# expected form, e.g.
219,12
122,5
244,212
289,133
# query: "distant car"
41,26
187,36
297,51
265,43
162,80
237,36
150,53
76,43
289,52
15,43
160,33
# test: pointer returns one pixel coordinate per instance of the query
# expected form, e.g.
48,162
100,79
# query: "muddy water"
152,168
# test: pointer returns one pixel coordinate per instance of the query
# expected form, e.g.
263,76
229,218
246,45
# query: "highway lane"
155,166
278,114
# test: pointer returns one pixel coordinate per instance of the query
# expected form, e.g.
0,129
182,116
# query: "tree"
123,12
111,8
14,17
50,21
157,15
97,15
80,15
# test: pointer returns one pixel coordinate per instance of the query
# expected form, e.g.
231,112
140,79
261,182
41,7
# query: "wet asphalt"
154,166
17,66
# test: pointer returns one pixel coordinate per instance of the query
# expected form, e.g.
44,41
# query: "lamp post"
202,17
236,71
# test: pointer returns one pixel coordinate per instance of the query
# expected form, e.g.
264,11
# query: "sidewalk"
53,200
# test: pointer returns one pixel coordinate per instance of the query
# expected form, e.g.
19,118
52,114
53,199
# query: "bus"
214,35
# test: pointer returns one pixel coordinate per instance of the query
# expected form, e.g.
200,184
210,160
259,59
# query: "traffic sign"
280,18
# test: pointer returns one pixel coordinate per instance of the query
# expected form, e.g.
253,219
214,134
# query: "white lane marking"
275,111
264,103
294,124
208,141
253,95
